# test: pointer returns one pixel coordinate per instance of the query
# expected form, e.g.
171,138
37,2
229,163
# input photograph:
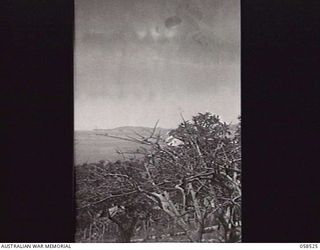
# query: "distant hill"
93,146
132,131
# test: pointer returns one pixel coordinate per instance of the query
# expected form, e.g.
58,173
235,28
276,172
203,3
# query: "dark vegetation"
189,192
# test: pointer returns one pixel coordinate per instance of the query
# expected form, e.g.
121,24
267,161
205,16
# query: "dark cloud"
172,22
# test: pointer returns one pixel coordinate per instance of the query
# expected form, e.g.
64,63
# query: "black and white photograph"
157,121
129,121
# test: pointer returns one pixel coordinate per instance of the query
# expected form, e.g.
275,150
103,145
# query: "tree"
110,190
196,185
201,176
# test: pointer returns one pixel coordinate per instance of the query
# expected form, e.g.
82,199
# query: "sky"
139,61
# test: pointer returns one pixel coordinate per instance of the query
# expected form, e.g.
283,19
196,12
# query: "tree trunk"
126,231
225,227
234,235
90,232
103,232
146,229
199,233
84,237
124,236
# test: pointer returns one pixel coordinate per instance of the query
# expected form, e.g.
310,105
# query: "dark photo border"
37,134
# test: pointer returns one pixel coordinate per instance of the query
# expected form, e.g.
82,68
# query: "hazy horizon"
119,127
139,61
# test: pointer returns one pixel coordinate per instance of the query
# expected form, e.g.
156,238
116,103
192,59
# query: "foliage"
191,189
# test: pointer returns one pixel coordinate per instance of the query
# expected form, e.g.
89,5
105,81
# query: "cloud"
155,34
138,62
141,34
170,33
